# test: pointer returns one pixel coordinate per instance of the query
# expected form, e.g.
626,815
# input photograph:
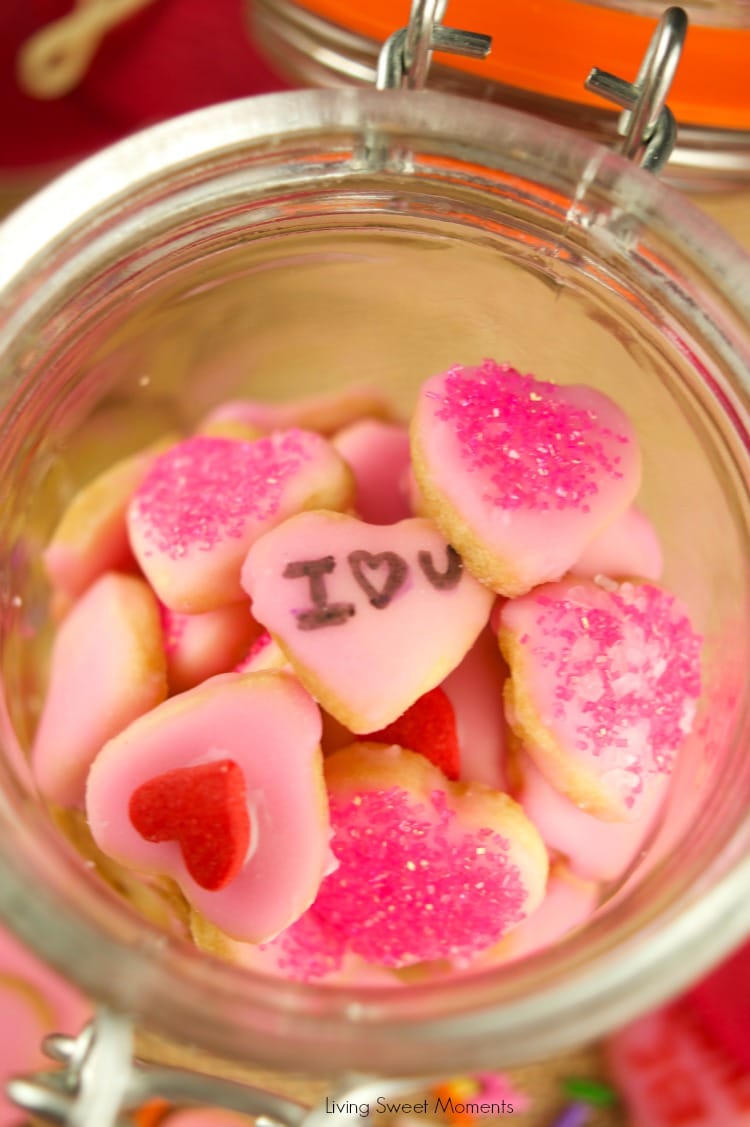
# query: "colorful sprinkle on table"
574,1115
480,1088
589,1091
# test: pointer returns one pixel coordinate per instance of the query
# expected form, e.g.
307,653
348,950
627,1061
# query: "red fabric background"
173,56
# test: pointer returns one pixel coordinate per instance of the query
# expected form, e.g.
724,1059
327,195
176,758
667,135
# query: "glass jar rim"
207,133
94,937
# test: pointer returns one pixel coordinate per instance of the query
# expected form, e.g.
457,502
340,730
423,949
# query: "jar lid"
710,88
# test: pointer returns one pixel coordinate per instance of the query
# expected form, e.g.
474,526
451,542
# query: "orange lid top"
549,46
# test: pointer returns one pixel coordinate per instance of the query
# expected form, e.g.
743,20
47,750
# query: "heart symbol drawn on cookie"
204,809
396,574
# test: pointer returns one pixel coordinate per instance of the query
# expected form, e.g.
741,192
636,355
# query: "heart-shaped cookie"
204,502
427,869
326,412
520,474
92,535
199,646
475,689
221,788
604,683
370,616
593,849
627,548
378,454
108,667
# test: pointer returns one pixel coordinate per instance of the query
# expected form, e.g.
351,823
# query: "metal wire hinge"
647,127
405,57
100,1083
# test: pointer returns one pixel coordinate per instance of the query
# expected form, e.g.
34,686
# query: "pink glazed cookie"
199,646
378,455
603,689
221,788
519,475
595,850
475,689
326,412
108,667
627,548
568,903
426,869
205,501
92,535
370,616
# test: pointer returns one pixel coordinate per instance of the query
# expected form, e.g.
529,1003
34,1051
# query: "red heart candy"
203,809
429,728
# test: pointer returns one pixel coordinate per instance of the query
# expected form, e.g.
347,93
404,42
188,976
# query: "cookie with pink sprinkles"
604,683
425,869
520,474
207,499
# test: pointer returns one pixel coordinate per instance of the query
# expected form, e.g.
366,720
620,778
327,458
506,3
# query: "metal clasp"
74,1096
405,56
100,1082
647,127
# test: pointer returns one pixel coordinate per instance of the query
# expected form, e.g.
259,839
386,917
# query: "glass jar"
542,53
296,241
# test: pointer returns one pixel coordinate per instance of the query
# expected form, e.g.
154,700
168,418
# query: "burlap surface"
541,1084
